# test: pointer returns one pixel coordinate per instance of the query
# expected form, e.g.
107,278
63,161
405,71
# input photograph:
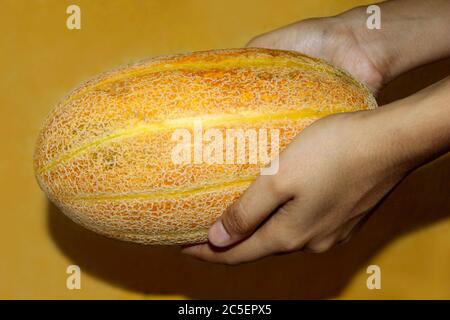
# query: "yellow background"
41,60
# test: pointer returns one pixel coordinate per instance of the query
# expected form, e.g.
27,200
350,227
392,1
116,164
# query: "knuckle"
253,42
277,185
257,41
230,261
235,219
288,244
344,239
320,247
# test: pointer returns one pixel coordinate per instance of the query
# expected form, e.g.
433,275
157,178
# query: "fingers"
262,41
354,227
279,234
263,196
322,243
278,39
305,36
251,249
274,236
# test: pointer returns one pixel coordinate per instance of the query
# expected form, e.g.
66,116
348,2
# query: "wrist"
412,33
378,49
411,131
346,36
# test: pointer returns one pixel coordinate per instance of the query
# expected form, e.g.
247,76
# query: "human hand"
329,179
327,182
334,39
412,33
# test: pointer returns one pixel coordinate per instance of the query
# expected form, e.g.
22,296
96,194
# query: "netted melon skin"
103,155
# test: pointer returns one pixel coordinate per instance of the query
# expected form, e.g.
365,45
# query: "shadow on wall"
421,199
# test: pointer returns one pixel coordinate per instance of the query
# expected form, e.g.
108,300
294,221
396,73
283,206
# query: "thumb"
290,37
242,218
268,40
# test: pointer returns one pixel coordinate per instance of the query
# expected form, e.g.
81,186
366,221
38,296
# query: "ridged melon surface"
104,153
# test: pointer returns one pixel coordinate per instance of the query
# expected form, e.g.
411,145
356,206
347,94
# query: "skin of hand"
341,166
413,33
329,39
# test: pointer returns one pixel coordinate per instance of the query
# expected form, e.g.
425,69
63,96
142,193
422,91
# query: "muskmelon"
105,154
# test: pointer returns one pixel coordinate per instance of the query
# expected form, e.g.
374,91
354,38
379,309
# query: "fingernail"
218,236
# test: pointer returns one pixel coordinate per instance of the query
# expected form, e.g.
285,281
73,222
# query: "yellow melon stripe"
206,121
229,63
169,193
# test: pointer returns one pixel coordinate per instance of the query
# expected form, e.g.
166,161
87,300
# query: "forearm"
413,33
413,130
